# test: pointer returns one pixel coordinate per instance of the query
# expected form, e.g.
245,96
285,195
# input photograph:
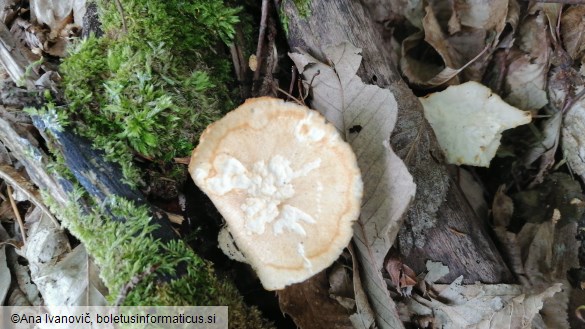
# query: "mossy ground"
153,82
147,89
125,250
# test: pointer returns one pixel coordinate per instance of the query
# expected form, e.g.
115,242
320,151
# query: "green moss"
124,250
303,7
150,90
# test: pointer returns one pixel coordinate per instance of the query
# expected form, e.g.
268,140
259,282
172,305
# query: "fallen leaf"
528,65
482,306
73,281
364,317
436,270
63,277
502,208
485,15
520,312
573,138
573,31
46,244
341,96
403,277
55,13
310,306
30,293
545,148
341,286
468,120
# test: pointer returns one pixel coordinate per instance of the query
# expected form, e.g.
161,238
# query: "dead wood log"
440,225
102,179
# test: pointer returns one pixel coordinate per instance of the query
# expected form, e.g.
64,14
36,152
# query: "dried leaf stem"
261,37
16,213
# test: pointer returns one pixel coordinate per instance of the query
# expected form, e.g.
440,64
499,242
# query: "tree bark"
440,224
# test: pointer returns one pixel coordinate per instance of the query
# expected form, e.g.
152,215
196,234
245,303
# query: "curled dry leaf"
545,248
528,65
502,208
573,138
573,31
468,120
57,13
403,277
311,307
435,271
73,281
347,102
486,15
461,33
341,286
481,306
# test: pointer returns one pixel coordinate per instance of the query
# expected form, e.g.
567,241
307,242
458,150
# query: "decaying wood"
13,59
100,178
440,225
103,179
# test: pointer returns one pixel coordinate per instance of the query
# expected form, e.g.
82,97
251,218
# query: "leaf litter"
340,95
524,60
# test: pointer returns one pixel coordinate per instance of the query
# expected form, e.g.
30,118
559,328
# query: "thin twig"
572,102
310,85
261,39
292,80
16,213
121,11
11,177
291,96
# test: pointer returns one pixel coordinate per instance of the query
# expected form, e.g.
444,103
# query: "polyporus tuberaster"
286,183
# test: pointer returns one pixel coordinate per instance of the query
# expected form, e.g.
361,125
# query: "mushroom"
287,185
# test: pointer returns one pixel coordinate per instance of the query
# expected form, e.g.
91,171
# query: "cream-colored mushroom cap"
286,183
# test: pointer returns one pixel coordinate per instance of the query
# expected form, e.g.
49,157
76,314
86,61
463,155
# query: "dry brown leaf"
310,306
545,248
364,318
341,286
56,13
63,277
341,96
502,208
546,147
73,281
573,31
462,34
485,15
573,138
436,270
402,276
529,64
482,306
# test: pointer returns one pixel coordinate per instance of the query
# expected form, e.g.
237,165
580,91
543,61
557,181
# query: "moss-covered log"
146,88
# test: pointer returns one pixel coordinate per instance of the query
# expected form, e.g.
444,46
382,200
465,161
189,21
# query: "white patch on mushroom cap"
306,262
267,187
306,130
